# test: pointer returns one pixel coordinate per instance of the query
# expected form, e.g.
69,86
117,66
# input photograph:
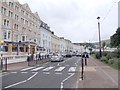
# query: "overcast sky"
76,20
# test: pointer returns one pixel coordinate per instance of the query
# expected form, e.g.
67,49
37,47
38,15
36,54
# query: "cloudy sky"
76,20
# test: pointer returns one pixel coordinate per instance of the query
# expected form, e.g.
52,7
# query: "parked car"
68,55
57,58
78,55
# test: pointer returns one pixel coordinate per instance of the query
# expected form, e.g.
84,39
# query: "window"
27,14
3,10
23,38
10,4
16,8
22,20
10,14
6,22
9,35
22,12
21,49
26,22
5,35
16,26
16,17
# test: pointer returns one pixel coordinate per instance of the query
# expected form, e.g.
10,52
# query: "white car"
57,58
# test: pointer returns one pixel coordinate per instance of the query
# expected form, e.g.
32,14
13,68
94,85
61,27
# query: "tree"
103,45
115,39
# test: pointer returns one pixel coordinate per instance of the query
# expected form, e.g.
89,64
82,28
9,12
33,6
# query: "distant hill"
106,41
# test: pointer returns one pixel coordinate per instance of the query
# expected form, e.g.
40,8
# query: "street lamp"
100,53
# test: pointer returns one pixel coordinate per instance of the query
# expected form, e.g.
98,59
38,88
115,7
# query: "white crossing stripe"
48,68
59,69
27,68
72,69
37,68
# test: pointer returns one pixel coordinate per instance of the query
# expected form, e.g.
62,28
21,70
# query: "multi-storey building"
45,37
55,43
19,28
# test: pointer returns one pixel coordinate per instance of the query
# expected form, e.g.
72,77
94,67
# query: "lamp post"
100,53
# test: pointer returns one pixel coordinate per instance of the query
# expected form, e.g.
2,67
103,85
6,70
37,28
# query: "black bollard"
82,72
85,61
5,64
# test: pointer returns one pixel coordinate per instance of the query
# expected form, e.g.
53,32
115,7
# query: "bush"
105,53
116,64
104,59
111,61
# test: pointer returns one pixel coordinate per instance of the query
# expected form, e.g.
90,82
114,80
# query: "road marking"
24,72
14,72
37,68
15,84
58,73
67,65
62,86
76,64
32,76
46,73
33,72
59,69
48,68
72,69
22,81
58,64
27,68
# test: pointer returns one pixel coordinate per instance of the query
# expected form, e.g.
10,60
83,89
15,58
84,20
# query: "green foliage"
105,53
115,39
111,61
103,45
104,59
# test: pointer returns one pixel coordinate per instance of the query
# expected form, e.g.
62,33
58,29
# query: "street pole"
100,53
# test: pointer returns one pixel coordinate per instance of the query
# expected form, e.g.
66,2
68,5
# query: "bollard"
82,72
85,61
1,64
5,64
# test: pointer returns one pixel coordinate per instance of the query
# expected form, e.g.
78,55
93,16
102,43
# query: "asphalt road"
48,75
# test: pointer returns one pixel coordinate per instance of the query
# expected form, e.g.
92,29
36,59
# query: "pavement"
20,65
66,74
99,75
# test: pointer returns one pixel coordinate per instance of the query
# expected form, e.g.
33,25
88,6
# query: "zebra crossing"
49,68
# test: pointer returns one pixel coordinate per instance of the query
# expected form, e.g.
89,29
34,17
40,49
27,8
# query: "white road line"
58,73
76,64
24,72
27,68
32,76
72,69
15,84
4,74
105,73
62,86
58,64
22,81
59,69
14,72
46,72
48,68
37,68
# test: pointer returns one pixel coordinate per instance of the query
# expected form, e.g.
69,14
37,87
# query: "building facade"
19,28
55,43
45,37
